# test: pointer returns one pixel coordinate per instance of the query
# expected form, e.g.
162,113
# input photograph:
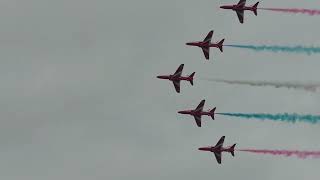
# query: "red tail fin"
254,8
191,78
220,45
212,113
232,149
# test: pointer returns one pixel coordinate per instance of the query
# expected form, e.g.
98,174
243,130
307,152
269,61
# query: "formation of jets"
177,77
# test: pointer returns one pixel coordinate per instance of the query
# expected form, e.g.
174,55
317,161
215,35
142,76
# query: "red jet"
218,149
240,8
176,78
198,112
206,44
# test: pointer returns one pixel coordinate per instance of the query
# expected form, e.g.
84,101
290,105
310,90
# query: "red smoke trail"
294,10
299,154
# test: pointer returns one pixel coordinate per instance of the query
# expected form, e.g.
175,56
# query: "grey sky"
79,97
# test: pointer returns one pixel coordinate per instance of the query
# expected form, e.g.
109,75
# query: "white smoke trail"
312,87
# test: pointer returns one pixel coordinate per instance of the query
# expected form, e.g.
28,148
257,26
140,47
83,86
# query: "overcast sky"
79,98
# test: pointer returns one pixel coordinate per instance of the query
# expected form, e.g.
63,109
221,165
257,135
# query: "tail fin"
232,149
212,113
191,78
255,7
220,45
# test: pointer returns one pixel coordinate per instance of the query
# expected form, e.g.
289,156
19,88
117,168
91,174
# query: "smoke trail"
310,12
294,85
299,154
277,117
295,49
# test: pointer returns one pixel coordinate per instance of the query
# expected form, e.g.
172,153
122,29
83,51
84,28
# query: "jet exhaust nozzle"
232,149
255,7
212,112
191,78
220,45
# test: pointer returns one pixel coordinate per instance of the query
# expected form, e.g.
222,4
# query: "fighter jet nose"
180,112
188,43
161,77
201,149
222,7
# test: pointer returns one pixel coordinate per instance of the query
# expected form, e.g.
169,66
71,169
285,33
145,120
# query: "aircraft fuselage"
173,78
216,149
195,113
237,8
202,44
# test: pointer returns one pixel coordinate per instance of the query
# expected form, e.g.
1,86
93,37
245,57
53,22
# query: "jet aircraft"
218,149
198,112
176,78
206,44
240,8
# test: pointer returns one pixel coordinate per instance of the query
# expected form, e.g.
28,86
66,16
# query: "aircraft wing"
206,52
220,142
179,71
240,15
208,37
200,106
176,84
218,156
241,3
198,120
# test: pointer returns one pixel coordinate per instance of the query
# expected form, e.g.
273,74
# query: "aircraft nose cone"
162,77
188,43
201,149
222,7
182,112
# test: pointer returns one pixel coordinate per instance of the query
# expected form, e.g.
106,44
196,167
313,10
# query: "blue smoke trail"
295,49
278,117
